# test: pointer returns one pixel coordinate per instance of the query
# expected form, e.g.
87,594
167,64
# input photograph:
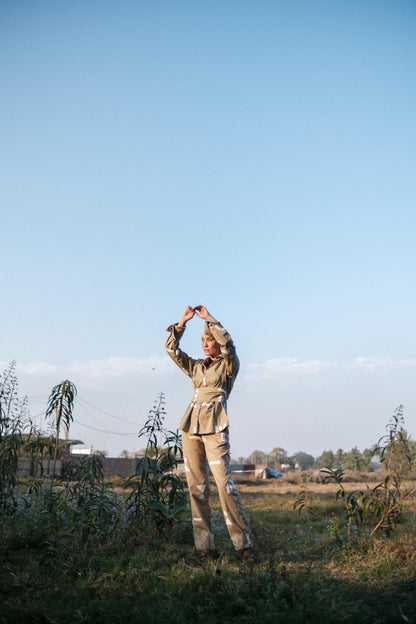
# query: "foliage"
326,460
14,425
355,460
395,449
342,460
79,505
336,476
95,507
258,457
293,580
157,493
303,460
277,458
304,503
100,563
60,406
380,507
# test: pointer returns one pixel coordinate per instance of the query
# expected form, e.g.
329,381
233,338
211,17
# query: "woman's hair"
207,330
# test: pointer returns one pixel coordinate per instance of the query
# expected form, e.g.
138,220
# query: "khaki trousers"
214,450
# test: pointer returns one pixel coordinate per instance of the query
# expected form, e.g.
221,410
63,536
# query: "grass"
306,571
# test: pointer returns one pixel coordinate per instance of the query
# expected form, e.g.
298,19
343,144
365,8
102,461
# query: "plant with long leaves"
59,409
394,448
396,455
337,476
380,506
157,491
304,504
15,429
94,504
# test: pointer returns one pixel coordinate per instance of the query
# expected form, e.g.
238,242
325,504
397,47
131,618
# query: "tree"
60,405
258,457
278,458
339,456
303,460
354,460
326,460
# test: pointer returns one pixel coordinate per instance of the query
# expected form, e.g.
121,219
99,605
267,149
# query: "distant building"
82,451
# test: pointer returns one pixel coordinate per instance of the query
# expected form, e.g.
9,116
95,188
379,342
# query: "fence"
121,466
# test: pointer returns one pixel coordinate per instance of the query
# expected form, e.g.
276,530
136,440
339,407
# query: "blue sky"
258,158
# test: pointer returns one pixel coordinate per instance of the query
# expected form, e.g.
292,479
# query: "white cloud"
38,369
120,367
382,363
112,367
285,368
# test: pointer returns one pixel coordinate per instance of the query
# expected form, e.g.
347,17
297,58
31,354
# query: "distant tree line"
279,460
365,461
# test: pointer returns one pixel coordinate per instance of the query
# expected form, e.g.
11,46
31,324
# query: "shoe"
248,554
201,552
206,553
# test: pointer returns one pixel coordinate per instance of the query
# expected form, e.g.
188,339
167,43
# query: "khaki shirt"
212,382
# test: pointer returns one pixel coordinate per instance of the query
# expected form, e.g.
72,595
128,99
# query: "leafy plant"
14,425
60,406
397,457
380,506
55,510
336,475
157,491
394,448
94,505
304,503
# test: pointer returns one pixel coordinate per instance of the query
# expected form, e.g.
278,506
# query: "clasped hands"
190,312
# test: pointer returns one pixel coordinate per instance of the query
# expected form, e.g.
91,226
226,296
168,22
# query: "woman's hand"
186,316
201,312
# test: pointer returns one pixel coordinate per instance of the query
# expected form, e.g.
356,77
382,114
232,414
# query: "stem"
386,515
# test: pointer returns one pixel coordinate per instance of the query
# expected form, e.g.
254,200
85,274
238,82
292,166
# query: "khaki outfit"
205,437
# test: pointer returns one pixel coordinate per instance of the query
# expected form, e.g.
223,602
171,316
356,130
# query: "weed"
14,424
304,503
157,493
380,506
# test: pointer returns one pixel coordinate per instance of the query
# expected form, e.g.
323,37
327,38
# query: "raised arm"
176,330
186,316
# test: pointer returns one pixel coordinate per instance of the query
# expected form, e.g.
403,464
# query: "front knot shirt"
212,380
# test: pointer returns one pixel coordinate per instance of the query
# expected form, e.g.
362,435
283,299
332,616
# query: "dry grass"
295,484
281,487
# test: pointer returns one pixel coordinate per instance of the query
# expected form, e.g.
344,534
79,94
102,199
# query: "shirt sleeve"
227,347
180,358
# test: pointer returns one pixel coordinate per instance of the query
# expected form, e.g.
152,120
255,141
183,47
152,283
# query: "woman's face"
210,346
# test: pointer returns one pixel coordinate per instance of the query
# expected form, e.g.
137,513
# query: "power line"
105,412
40,398
82,404
78,422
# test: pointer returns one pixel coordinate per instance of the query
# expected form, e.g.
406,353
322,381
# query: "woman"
204,426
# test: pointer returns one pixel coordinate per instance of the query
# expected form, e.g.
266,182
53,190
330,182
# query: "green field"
307,568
